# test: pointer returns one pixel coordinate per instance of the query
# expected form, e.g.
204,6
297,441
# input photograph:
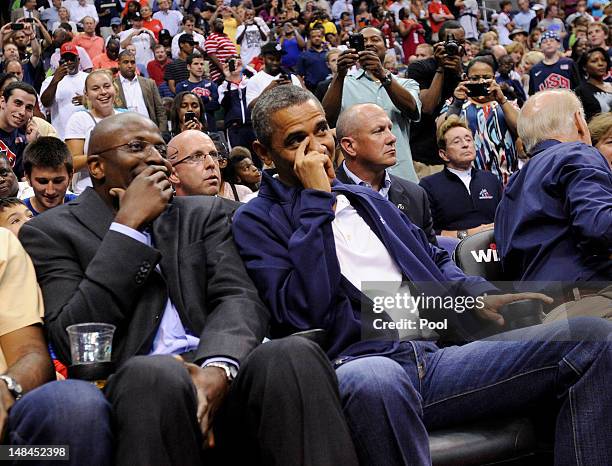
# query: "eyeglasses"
138,146
199,157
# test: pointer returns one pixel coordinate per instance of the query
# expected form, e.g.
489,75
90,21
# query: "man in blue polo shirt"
462,199
554,222
312,65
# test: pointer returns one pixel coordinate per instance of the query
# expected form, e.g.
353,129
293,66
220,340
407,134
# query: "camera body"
451,46
17,26
190,116
477,89
231,64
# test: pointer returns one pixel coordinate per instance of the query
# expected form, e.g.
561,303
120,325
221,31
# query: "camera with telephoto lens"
451,46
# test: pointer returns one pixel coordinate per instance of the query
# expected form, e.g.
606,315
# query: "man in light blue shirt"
523,18
374,84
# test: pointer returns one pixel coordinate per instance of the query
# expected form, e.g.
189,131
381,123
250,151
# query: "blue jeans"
69,412
390,402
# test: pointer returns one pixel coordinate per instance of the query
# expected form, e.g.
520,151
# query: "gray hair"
272,101
545,121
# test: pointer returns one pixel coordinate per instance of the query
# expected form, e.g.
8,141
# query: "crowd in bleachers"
207,175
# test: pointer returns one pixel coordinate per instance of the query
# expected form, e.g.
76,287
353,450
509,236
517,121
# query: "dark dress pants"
282,409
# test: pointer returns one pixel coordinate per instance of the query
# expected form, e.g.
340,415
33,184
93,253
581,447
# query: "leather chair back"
477,255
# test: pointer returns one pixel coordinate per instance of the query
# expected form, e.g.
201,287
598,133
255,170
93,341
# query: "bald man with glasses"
195,164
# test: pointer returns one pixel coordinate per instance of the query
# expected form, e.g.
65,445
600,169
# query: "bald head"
499,51
351,120
184,141
108,132
195,168
552,114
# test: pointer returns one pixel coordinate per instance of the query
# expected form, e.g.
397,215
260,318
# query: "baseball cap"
537,7
69,49
550,35
164,33
272,48
136,16
115,21
186,39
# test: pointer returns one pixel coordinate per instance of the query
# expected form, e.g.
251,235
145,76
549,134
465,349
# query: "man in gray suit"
27,10
364,134
166,273
139,94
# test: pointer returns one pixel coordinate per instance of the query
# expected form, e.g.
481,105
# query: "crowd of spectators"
155,121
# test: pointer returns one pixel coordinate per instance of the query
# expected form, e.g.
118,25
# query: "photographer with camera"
251,35
399,97
480,102
141,38
438,77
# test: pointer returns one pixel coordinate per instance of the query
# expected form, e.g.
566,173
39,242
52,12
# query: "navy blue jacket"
286,241
554,222
453,208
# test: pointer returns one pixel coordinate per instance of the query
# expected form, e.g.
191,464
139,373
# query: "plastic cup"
91,342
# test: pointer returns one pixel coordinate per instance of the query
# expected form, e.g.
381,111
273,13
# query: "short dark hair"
9,202
48,152
125,53
192,56
483,57
19,85
188,18
582,61
449,24
270,102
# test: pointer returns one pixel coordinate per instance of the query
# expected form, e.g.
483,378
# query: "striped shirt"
223,48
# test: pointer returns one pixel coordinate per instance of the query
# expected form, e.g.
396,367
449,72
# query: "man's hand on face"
313,169
211,387
145,198
493,303
370,62
346,60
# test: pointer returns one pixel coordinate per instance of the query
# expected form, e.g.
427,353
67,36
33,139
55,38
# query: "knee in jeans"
371,378
590,329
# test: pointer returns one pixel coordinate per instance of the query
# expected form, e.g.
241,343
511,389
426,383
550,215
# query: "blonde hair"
487,36
451,122
600,126
533,58
515,47
109,75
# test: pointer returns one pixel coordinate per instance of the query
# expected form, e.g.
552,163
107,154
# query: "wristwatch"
13,387
387,80
462,234
230,370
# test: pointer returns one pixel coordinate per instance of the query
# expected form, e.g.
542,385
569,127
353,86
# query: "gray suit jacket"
90,274
152,99
408,197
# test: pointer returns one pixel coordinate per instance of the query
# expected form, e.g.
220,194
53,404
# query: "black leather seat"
498,441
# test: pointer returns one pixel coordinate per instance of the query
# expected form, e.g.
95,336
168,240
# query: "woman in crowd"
100,103
516,50
595,93
580,46
488,40
490,116
187,103
529,60
64,17
292,43
534,39
600,128
228,189
411,32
